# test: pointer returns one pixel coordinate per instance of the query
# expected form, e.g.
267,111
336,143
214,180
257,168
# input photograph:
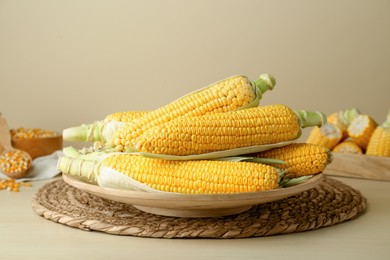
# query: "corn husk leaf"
217,154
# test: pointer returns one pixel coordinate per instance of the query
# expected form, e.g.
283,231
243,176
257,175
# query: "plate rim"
164,196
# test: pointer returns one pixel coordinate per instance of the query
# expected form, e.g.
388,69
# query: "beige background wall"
63,63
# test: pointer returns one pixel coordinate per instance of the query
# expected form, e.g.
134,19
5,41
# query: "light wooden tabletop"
25,235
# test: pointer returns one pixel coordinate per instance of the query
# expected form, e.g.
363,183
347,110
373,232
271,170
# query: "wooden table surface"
25,235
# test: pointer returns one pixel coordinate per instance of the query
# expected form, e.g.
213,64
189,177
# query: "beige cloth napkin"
44,167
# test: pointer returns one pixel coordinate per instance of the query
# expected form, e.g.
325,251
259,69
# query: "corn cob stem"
310,118
101,130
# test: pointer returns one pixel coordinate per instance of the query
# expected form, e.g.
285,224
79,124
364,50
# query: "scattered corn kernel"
12,185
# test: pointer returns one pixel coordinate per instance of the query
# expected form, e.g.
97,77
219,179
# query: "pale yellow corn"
196,177
222,131
361,129
328,135
300,158
348,146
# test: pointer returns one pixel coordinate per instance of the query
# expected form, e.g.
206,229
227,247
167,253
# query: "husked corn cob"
348,146
342,119
233,93
328,135
300,159
224,131
187,177
227,95
361,129
379,144
101,130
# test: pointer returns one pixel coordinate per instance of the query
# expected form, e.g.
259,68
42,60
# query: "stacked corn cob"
212,141
350,131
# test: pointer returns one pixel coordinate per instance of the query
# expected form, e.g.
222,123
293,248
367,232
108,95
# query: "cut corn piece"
361,129
128,171
348,146
342,119
300,159
225,131
379,144
328,135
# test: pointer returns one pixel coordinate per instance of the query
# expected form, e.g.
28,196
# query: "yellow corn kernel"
348,146
300,158
361,129
12,185
31,133
222,131
226,95
15,162
196,177
328,135
379,144
126,116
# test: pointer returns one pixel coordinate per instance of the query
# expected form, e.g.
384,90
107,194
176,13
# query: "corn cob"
348,146
233,93
126,171
300,159
328,135
342,119
244,128
361,129
379,144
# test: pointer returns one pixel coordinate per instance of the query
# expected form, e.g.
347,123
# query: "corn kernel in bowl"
35,141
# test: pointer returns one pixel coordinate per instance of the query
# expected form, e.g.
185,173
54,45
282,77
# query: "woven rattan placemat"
329,203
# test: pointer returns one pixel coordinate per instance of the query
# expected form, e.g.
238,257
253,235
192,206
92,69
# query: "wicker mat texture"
329,203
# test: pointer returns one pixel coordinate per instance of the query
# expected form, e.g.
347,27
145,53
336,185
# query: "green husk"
346,116
214,155
287,182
